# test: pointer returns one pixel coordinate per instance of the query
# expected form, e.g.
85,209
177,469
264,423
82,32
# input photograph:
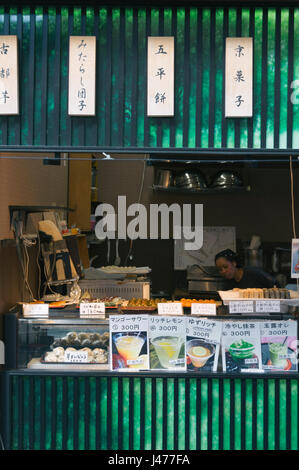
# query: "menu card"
202,344
167,336
241,348
279,345
129,342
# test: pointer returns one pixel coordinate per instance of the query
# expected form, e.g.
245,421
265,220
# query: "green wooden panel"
121,121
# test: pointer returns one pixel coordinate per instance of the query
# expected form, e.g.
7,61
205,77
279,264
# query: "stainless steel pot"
163,178
190,180
226,179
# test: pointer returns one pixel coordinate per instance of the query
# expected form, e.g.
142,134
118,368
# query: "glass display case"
57,343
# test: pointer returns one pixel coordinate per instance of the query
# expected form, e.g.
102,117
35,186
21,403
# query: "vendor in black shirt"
242,277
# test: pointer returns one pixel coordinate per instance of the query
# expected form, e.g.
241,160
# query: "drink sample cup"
199,352
167,349
129,346
278,354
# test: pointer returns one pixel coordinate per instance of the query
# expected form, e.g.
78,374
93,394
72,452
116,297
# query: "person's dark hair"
230,255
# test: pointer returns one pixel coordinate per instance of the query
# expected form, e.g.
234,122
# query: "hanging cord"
293,206
139,199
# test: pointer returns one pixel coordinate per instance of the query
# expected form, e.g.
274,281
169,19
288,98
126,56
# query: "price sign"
170,308
36,310
203,309
76,356
88,309
245,306
263,306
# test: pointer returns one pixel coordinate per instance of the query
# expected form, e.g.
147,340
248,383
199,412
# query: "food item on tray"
108,301
81,340
188,302
271,293
119,268
99,356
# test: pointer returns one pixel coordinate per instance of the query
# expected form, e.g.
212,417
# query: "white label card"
76,356
92,309
262,306
36,310
170,308
203,309
245,306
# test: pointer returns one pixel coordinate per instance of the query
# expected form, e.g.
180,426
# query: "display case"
56,343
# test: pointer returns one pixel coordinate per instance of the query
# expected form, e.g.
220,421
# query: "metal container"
254,258
190,180
163,178
226,179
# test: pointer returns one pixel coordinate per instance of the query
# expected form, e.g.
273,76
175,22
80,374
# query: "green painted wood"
48,412
121,121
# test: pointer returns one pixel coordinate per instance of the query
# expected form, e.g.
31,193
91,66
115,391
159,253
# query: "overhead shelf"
237,189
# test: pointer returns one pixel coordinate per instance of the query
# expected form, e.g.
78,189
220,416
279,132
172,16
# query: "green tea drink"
167,349
278,353
129,347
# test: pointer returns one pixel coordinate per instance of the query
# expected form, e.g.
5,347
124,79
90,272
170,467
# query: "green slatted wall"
139,413
120,122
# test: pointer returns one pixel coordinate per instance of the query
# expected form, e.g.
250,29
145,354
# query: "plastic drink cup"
199,352
278,353
129,347
167,349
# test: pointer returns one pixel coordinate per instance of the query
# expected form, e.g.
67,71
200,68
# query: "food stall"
144,377
228,379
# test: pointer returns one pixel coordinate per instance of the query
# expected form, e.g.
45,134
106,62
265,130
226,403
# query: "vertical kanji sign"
238,77
82,76
160,76
9,87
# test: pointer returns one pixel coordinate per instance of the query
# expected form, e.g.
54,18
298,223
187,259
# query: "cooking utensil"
163,178
226,179
190,180
117,260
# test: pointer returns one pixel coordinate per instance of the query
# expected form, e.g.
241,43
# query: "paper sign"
9,81
160,76
202,344
76,356
264,306
170,308
82,75
279,345
241,347
238,77
36,310
203,309
167,337
245,306
129,349
92,308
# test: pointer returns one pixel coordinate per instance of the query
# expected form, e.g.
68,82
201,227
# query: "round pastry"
82,336
95,337
50,357
86,343
59,351
89,352
71,336
70,349
56,343
97,344
60,359
100,355
77,344
64,342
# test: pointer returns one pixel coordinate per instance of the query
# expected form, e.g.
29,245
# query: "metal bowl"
190,180
226,179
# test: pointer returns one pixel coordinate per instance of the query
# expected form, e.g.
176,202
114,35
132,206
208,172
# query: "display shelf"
173,189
